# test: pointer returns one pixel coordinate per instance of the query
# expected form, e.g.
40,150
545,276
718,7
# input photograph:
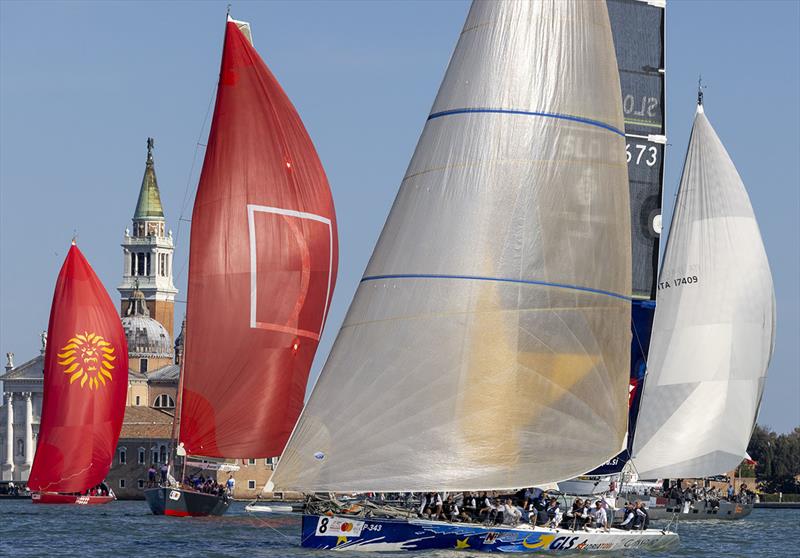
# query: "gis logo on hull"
563,543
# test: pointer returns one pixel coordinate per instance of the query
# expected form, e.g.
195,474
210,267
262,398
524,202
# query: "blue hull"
376,535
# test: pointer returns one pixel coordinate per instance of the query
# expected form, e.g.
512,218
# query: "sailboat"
638,27
487,346
713,332
85,387
262,269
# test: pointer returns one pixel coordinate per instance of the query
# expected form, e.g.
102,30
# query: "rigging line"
197,146
557,115
270,526
499,280
62,479
639,342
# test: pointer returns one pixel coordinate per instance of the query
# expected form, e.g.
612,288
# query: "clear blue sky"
83,84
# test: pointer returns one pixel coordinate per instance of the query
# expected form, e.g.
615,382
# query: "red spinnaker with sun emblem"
262,267
85,383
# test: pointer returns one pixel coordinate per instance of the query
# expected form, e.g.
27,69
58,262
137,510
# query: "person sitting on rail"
629,516
642,519
554,513
437,507
599,517
538,511
485,513
450,509
574,513
424,509
468,507
496,513
511,513
583,515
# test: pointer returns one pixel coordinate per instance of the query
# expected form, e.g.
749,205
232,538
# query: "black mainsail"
638,29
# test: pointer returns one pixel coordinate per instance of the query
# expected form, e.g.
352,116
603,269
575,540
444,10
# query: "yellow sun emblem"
87,357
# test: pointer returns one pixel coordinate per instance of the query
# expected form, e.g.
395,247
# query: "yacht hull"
701,510
177,502
379,535
660,508
56,498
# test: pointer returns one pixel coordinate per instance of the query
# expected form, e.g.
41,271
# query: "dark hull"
659,508
726,510
178,502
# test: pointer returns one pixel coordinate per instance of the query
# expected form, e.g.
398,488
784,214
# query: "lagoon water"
122,529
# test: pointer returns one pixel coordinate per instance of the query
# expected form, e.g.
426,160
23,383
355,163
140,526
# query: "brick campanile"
148,252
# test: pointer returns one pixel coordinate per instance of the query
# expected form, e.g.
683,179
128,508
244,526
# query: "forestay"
714,326
487,345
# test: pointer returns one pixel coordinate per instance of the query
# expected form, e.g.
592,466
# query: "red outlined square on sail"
291,263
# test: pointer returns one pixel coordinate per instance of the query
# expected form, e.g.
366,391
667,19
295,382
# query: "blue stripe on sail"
499,279
589,121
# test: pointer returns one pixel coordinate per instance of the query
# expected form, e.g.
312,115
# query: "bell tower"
147,253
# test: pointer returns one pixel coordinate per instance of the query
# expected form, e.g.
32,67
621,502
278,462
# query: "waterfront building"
19,415
251,477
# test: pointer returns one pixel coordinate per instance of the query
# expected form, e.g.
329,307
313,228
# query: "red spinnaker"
85,383
262,267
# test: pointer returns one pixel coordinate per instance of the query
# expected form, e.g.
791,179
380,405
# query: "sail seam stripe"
570,117
497,279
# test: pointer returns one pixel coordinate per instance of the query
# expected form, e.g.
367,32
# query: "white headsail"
714,325
488,343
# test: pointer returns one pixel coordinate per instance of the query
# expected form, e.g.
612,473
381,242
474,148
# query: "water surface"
122,529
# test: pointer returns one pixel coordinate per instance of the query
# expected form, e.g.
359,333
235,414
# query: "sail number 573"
641,152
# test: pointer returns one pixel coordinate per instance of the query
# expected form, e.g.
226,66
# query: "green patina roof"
149,204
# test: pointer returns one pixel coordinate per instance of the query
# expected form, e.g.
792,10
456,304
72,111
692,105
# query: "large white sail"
714,326
488,343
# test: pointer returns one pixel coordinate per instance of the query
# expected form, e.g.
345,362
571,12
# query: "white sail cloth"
714,325
488,343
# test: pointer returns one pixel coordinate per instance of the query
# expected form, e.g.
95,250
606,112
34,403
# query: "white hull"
272,508
584,486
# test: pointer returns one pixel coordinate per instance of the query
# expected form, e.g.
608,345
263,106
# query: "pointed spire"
149,205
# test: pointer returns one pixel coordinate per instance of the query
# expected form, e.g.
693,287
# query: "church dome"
146,336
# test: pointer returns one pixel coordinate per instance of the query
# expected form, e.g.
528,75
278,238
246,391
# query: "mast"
179,399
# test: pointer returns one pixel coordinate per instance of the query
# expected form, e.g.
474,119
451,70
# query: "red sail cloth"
262,267
85,383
